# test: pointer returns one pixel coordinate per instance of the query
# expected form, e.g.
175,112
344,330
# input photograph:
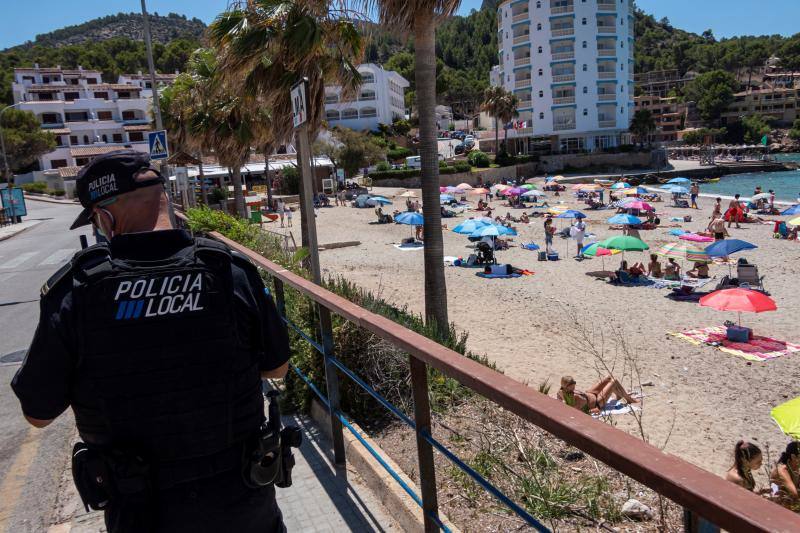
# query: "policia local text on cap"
159,342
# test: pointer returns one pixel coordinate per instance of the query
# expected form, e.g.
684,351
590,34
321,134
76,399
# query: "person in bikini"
595,398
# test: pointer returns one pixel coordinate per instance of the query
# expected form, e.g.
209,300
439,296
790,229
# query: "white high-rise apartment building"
381,100
570,63
87,117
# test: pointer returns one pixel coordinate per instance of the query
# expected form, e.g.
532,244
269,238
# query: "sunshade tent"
739,300
625,220
787,416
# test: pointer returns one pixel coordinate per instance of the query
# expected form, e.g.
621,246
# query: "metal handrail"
697,490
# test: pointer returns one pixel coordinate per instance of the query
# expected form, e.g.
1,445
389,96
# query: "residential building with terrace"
87,116
570,63
381,100
776,105
668,115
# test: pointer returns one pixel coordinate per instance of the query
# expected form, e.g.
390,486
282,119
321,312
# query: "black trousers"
222,503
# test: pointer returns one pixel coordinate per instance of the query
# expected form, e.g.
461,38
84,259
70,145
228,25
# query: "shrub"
504,159
478,159
383,166
217,196
398,153
395,174
462,166
36,186
291,180
56,192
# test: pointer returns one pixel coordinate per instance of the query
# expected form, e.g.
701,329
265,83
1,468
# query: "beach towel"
616,407
530,246
497,276
757,349
405,247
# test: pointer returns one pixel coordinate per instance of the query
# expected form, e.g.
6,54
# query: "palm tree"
492,97
506,112
419,17
266,46
642,124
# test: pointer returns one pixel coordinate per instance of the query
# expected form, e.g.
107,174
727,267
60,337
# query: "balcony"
525,104
564,100
607,97
522,61
558,56
606,74
562,9
520,17
560,126
563,77
606,6
607,123
522,39
562,32
606,52
520,84
606,29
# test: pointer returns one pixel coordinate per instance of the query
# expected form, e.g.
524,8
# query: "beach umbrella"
469,226
694,237
638,204
479,191
787,416
559,177
527,186
533,193
595,250
680,181
641,190
499,187
442,189
410,218
794,210
677,189
453,190
739,300
620,185
516,191
505,230
625,243
794,221
726,247
624,219
376,200
683,250
570,213
548,179
464,186
487,231
409,194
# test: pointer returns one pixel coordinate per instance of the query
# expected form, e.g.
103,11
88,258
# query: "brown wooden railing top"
721,502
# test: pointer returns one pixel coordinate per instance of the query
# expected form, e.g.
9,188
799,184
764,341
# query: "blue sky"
21,21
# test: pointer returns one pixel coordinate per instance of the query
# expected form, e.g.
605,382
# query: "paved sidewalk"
6,232
322,499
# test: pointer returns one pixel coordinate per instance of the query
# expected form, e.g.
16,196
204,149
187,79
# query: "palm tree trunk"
238,196
267,150
505,138
496,138
425,76
203,186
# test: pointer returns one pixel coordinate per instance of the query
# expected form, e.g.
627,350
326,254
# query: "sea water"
785,184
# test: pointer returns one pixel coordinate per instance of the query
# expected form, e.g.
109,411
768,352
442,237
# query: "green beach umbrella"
787,416
528,186
626,243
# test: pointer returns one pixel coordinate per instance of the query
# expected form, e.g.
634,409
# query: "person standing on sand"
717,213
281,208
549,230
734,212
771,201
580,233
695,190
288,216
717,227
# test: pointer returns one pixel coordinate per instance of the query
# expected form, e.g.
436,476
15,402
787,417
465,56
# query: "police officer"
159,342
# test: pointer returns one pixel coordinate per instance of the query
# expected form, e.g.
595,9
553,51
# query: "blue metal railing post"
422,418
332,384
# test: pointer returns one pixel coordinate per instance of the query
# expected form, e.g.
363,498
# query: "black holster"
269,459
103,477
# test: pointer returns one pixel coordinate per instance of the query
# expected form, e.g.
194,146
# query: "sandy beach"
701,400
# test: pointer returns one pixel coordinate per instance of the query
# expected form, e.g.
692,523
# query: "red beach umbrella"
739,300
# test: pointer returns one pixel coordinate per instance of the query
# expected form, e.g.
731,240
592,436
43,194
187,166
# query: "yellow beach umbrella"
787,416
794,221
557,209
556,178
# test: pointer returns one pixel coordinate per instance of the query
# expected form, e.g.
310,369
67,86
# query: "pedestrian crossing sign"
157,141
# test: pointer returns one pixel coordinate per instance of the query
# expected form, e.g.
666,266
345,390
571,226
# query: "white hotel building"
87,117
570,63
380,100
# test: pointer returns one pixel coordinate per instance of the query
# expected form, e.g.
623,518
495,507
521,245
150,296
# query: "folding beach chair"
748,273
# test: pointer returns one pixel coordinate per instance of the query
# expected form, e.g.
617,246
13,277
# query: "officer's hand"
277,373
36,422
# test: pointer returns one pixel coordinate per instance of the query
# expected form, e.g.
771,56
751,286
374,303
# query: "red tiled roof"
60,131
68,172
88,151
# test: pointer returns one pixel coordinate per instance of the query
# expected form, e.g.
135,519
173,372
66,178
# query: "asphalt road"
32,461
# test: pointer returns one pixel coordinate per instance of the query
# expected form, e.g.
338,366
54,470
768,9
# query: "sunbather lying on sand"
595,398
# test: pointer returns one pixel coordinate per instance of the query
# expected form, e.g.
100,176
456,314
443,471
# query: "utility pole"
156,104
7,169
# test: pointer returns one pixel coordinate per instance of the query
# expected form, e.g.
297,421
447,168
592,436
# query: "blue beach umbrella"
488,231
571,213
470,226
621,185
505,230
677,189
679,181
726,247
641,190
624,219
380,200
410,218
794,210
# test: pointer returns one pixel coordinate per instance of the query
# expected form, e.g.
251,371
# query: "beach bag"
542,255
472,260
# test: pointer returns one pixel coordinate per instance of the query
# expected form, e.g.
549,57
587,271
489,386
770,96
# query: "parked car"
469,142
459,149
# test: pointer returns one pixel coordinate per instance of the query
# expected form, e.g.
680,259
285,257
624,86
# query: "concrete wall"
557,163
527,170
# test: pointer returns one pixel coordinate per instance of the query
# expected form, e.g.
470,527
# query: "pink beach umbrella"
516,191
442,189
641,206
694,237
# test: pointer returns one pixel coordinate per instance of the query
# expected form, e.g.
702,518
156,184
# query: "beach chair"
748,273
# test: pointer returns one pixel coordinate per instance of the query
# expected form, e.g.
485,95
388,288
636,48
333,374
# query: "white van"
415,161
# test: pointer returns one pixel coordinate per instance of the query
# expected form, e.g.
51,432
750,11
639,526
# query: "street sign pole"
12,213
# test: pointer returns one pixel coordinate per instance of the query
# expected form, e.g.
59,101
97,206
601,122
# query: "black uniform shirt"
44,381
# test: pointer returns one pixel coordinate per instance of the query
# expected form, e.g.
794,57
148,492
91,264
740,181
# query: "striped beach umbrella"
684,251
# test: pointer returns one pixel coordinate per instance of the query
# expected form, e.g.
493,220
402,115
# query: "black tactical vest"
162,370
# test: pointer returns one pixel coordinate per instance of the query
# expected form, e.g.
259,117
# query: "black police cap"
110,175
